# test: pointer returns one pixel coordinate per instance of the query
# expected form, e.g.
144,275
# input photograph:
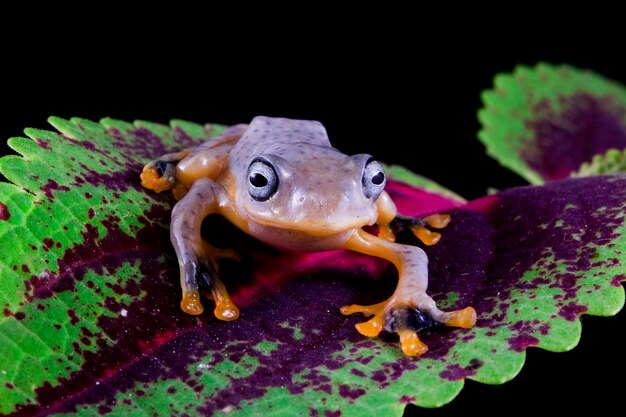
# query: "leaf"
404,175
90,291
613,161
544,122
75,230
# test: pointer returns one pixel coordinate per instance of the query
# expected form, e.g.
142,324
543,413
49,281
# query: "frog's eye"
262,179
373,179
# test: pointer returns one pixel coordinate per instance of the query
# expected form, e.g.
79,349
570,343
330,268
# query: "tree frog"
280,181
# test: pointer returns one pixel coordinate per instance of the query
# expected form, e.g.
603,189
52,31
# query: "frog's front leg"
160,175
197,259
177,171
409,309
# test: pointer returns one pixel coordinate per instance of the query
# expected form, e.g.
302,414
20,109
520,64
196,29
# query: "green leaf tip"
544,122
612,162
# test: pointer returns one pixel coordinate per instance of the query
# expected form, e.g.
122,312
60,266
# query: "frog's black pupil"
161,166
378,178
258,180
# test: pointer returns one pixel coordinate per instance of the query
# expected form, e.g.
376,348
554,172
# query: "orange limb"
373,326
410,343
191,304
385,232
465,318
429,238
225,309
438,221
151,179
179,190
410,293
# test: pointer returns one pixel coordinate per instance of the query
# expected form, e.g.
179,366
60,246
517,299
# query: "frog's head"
311,188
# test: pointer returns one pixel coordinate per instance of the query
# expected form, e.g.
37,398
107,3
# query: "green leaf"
92,324
613,161
402,174
72,226
544,122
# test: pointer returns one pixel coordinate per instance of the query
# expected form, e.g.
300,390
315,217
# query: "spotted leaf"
92,323
545,122
613,161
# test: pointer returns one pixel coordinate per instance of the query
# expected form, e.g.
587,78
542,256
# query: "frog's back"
281,136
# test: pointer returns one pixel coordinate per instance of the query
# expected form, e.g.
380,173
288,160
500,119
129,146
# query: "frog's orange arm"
207,160
181,169
412,265
410,294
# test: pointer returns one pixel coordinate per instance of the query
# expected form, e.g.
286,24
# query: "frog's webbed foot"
407,318
419,227
201,274
410,309
159,175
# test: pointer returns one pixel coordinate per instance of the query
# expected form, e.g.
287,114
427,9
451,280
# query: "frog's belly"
298,241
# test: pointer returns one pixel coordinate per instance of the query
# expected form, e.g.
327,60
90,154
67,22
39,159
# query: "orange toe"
465,318
191,304
225,309
149,176
226,312
438,221
411,344
429,238
151,180
372,327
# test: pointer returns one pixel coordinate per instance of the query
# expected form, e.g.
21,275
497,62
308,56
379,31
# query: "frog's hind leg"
196,259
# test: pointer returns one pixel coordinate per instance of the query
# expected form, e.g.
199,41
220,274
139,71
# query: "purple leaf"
95,325
545,122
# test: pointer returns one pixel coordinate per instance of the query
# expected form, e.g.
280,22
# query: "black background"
407,95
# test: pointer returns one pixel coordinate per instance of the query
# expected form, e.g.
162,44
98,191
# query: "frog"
281,181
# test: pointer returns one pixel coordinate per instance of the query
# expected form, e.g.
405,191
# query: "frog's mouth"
313,212
314,227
